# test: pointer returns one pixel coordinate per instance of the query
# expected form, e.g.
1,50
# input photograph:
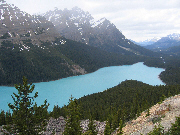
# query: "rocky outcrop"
164,114
55,125
76,69
58,125
100,126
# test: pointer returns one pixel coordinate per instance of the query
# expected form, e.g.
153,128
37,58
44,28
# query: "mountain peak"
78,25
98,22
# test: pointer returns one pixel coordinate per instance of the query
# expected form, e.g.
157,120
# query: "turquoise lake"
58,92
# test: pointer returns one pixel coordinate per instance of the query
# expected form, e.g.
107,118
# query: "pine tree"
92,127
148,113
107,130
175,129
157,130
8,118
73,118
27,118
2,118
120,132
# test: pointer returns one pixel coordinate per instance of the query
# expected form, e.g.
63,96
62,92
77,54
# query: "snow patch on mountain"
174,36
95,24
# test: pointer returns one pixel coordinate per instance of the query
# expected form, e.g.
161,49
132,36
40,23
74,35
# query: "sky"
138,20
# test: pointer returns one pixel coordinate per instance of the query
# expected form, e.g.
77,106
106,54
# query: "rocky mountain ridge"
77,25
74,24
17,25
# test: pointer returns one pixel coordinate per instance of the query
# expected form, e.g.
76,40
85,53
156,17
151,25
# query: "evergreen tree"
157,130
73,118
2,118
92,127
27,118
148,113
8,118
107,130
120,132
175,129
55,113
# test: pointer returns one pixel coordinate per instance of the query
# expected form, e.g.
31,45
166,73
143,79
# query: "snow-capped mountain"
17,25
174,36
75,24
148,41
165,42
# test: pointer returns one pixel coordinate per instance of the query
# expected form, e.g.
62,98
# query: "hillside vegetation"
122,102
54,60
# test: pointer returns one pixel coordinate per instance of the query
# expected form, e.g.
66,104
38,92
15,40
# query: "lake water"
58,92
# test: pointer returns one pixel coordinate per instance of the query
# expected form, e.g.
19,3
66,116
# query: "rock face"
17,25
100,126
164,114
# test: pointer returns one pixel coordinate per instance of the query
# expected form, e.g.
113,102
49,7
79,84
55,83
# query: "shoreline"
161,79
83,74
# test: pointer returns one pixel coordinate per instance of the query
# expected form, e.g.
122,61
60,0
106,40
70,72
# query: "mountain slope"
80,26
175,50
53,60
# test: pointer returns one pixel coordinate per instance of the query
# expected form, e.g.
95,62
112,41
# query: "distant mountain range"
147,42
166,44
